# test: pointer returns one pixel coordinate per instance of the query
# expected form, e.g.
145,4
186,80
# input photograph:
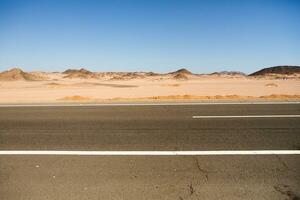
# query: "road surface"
150,128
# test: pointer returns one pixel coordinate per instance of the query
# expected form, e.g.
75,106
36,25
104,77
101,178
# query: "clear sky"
149,35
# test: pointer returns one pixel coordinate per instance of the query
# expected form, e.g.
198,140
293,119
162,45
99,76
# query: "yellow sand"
57,89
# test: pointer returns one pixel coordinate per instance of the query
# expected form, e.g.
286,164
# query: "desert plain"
83,86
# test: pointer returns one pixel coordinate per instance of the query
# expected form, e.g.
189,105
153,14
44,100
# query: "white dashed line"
245,116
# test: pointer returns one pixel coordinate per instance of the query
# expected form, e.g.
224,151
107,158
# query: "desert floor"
93,90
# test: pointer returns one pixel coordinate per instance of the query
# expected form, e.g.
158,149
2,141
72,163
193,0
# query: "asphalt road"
149,128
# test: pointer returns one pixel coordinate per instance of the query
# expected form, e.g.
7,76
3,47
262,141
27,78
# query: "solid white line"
246,116
147,104
152,153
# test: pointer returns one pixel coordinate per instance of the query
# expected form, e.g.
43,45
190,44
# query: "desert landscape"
280,83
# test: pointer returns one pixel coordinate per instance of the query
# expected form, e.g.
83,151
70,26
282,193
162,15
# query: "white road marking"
245,116
147,104
151,153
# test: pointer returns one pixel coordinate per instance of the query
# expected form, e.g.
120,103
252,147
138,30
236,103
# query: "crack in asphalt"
282,162
201,170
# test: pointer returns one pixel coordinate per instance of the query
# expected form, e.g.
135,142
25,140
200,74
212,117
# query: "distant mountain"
181,74
82,70
18,74
281,70
229,73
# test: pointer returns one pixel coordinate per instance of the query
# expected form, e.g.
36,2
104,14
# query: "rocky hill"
181,74
79,73
280,70
181,71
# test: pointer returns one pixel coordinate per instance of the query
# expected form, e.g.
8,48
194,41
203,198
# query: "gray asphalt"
149,128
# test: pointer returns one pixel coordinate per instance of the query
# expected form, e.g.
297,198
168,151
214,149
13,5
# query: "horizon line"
178,69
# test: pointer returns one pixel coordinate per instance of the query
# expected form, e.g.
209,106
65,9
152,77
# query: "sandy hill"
17,74
79,73
280,70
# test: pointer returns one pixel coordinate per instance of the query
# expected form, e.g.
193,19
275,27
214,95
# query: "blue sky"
144,35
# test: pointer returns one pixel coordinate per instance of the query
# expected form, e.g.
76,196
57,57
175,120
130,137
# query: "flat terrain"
95,90
150,128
